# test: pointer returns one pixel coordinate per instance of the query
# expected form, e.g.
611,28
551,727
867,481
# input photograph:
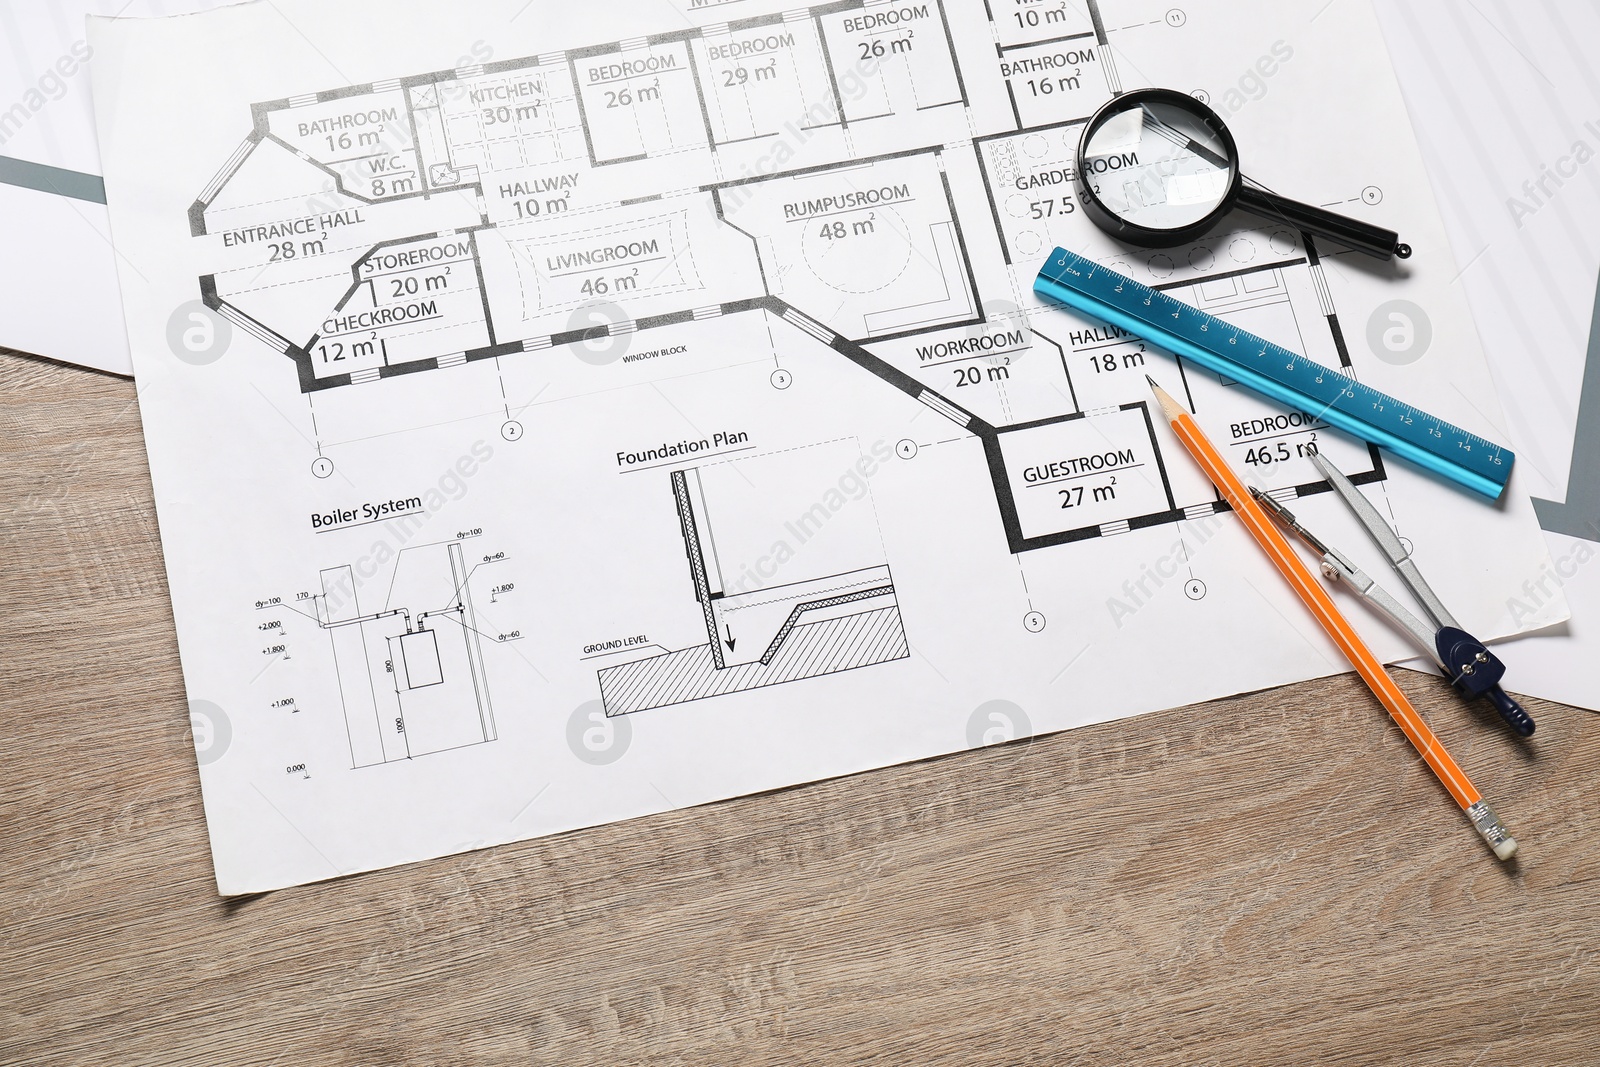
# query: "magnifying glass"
1158,168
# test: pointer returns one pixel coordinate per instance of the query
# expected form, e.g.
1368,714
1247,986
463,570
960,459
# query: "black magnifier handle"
1361,236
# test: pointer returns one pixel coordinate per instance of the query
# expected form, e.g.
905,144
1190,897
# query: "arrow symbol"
730,638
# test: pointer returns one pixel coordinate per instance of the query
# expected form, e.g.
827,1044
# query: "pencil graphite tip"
1169,407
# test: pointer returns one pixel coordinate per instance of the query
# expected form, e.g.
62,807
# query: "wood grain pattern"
1270,879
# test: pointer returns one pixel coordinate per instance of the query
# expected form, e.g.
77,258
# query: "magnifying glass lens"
1157,165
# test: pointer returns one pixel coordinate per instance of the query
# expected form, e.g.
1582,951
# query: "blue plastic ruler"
1274,371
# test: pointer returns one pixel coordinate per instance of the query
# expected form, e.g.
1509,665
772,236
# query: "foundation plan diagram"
653,403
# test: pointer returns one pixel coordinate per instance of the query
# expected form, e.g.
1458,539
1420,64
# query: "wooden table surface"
1270,879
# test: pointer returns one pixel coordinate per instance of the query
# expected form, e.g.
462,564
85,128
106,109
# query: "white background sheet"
58,272
1506,103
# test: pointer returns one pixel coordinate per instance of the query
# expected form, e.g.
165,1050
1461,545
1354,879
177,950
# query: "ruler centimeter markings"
1276,372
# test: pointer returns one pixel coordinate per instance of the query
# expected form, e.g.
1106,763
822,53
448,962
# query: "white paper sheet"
560,414
58,273
1506,102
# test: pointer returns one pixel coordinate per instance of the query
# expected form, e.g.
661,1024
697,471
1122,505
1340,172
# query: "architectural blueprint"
557,417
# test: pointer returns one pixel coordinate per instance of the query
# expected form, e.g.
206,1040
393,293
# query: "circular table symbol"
861,251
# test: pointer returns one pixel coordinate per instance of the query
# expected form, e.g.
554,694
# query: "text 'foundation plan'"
561,413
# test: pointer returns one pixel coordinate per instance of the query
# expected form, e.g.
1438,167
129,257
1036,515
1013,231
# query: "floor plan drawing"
719,316
473,210
411,677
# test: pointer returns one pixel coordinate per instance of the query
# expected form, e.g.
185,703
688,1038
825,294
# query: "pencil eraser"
1506,848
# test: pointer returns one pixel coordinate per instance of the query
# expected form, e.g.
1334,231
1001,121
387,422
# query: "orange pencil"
1316,598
